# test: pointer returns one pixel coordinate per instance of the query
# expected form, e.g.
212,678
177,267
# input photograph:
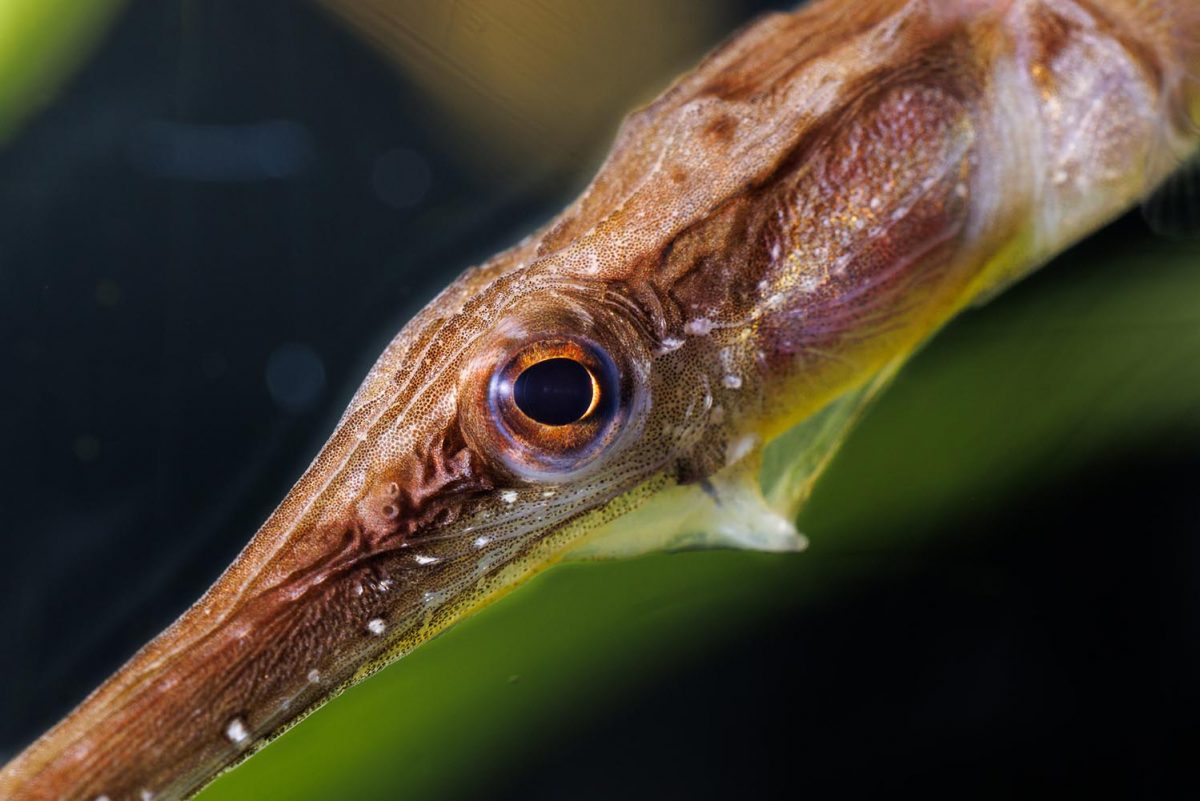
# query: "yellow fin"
794,461
725,511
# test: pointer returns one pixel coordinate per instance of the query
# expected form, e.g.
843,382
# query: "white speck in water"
422,559
509,496
699,327
314,676
732,381
236,731
482,541
376,626
1059,177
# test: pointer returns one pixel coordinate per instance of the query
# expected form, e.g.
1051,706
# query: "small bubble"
401,178
295,376
314,676
376,626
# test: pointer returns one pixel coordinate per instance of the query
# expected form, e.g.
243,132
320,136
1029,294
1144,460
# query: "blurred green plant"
1080,363
41,43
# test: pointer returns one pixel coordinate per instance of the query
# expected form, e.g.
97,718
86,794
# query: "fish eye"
552,406
556,391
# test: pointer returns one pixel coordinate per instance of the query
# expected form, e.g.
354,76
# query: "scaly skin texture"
818,196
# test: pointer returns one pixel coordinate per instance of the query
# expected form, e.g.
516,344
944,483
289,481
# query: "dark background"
188,298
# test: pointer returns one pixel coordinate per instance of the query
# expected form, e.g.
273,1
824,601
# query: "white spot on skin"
236,731
422,559
670,344
549,494
509,496
732,381
376,626
240,631
482,541
314,676
699,327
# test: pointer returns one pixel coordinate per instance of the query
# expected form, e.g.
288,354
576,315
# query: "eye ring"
554,405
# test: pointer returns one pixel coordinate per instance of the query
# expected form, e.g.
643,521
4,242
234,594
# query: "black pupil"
554,392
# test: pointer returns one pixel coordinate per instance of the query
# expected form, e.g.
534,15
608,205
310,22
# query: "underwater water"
209,231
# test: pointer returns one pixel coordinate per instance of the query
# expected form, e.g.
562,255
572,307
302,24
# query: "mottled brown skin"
812,201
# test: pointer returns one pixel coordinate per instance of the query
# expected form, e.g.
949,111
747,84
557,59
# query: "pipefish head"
774,234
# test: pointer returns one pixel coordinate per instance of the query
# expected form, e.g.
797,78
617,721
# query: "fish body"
767,243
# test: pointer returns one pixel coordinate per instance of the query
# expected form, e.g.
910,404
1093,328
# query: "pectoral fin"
725,511
752,504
